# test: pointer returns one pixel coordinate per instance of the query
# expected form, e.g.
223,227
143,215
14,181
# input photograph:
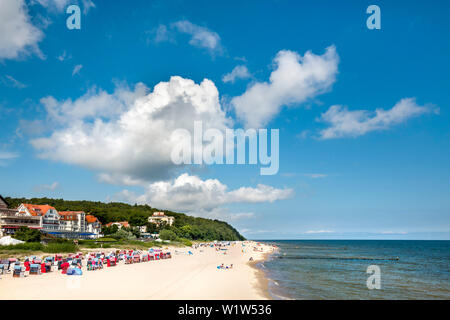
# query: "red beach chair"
64,267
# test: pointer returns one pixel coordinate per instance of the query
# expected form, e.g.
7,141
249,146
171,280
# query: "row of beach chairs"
96,261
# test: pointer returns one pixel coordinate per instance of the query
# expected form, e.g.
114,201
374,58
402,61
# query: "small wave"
338,258
280,297
274,295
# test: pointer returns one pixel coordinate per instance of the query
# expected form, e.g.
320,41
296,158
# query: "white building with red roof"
119,224
12,219
93,226
62,224
50,217
160,217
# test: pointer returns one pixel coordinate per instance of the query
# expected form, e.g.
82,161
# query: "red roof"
69,215
91,219
123,223
38,209
70,212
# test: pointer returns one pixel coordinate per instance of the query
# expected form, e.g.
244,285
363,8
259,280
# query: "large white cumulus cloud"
295,80
126,135
198,196
18,36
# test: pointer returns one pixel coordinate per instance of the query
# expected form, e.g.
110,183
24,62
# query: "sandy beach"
185,277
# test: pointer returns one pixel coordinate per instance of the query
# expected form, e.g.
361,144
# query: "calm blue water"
336,269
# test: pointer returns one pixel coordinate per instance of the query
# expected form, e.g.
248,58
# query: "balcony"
17,219
11,223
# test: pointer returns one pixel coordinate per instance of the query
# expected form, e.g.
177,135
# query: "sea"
338,269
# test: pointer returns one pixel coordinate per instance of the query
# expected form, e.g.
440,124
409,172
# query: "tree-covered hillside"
184,226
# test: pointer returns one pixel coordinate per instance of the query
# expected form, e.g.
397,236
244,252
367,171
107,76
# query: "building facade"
63,224
72,221
12,219
93,226
160,217
48,214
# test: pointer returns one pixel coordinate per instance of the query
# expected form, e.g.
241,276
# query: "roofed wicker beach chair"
6,265
35,269
129,259
64,266
90,265
18,271
111,261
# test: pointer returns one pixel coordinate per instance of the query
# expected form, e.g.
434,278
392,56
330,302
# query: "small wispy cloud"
346,123
250,231
393,232
315,175
242,215
304,134
87,6
6,156
201,37
239,72
318,231
47,187
243,59
64,56
162,34
54,5
77,69
10,81
309,175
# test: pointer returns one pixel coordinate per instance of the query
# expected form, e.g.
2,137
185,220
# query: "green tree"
110,230
28,235
134,230
123,234
137,215
167,235
152,227
138,220
186,231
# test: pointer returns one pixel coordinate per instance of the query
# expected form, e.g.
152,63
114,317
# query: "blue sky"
77,117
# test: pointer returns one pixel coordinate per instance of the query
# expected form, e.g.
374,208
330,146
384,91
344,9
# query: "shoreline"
183,277
261,275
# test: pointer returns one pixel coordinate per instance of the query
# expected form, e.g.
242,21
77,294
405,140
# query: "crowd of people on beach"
73,264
